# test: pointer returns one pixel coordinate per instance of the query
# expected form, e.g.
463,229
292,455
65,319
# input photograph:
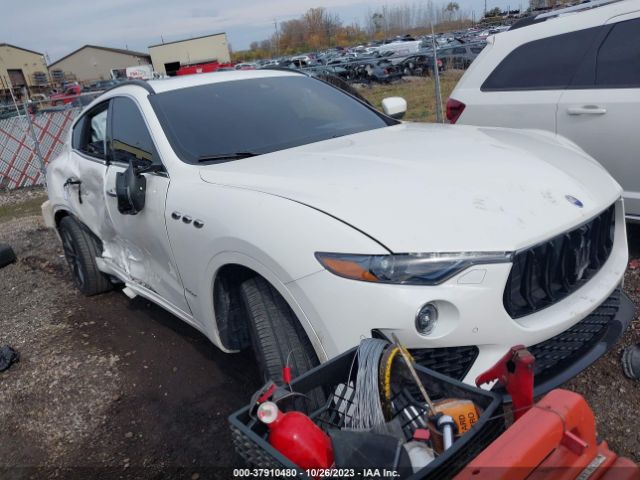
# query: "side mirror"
131,187
395,107
145,166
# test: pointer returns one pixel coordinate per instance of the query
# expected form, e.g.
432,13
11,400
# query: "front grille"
548,272
453,362
559,352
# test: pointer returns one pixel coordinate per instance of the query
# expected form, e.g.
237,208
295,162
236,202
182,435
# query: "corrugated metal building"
91,62
20,67
168,57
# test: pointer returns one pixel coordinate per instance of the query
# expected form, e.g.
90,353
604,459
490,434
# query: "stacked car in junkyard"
390,60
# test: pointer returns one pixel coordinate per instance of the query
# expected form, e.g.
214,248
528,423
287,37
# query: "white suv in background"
574,72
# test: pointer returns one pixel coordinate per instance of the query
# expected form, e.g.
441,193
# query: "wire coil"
367,410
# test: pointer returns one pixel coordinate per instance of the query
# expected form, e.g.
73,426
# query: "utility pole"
485,8
275,24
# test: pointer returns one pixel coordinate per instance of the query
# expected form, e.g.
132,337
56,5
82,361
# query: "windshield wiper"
224,157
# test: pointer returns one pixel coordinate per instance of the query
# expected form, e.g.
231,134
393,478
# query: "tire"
81,250
276,335
7,255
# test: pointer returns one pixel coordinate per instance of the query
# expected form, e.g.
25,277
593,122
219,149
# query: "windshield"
257,116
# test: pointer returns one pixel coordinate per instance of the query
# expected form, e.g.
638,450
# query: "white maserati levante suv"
272,210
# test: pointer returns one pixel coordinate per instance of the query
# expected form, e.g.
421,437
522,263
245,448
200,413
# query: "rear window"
618,63
548,63
259,116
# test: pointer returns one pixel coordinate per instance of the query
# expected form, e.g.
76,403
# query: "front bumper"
472,323
559,358
564,356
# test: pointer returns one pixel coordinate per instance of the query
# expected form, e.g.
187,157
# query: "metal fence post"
436,77
36,144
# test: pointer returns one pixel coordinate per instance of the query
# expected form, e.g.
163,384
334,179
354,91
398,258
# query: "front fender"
273,236
239,258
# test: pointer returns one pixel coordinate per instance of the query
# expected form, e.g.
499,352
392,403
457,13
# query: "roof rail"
533,19
575,8
284,69
140,83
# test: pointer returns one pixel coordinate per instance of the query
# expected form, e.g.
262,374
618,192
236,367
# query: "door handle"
112,193
74,181
587,110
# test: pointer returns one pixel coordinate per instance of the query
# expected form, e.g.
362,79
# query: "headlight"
406,268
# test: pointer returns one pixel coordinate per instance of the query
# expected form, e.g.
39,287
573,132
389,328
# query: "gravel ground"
119,388
112,388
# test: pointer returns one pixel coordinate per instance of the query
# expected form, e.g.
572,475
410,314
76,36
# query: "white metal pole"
436,77
36,144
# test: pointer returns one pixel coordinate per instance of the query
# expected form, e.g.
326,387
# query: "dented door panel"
138,244
82,187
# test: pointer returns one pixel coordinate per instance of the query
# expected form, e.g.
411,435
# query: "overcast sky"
59,27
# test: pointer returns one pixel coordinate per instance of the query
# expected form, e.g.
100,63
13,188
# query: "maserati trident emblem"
574,201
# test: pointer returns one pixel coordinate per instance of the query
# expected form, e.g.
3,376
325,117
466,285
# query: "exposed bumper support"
615,329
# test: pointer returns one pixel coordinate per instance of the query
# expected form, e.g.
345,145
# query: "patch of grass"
23,209
419,92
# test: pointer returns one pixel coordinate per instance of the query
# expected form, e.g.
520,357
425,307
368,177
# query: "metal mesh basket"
336,379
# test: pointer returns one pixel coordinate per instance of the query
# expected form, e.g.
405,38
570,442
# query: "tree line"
319,29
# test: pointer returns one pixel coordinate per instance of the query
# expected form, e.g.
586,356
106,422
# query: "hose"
386,365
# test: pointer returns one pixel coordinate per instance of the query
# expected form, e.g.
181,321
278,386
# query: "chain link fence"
20,163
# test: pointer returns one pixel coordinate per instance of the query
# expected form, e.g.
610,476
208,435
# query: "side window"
548,63
130,138
618,62
90,133
76,136
459,50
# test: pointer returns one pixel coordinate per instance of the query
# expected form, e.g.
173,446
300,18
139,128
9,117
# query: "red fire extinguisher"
296,436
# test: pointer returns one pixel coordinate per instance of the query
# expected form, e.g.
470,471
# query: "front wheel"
277,337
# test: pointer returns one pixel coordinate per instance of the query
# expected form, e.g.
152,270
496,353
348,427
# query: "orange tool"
554,440
463,412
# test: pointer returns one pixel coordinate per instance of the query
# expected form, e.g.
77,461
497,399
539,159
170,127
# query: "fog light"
426,319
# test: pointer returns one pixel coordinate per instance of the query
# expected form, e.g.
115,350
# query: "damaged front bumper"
565,355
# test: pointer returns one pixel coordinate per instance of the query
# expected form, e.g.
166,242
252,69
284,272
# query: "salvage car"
419,65
271,210
460,56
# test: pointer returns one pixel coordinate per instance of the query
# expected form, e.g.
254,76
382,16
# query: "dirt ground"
120,388
113,388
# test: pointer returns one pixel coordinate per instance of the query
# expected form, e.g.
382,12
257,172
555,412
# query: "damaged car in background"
273,211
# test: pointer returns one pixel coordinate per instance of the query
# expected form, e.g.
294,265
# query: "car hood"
436,188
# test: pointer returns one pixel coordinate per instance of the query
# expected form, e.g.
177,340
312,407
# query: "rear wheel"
81,250
277,337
